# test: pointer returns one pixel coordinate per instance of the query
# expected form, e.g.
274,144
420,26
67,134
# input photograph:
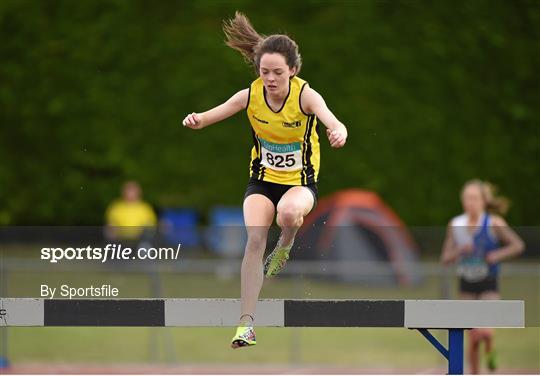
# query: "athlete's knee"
475,336
256,242
485,333
289,215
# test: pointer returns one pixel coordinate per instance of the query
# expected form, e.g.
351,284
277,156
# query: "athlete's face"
275,73
472,200
131,192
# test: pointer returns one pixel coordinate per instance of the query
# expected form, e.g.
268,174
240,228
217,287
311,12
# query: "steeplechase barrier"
455,316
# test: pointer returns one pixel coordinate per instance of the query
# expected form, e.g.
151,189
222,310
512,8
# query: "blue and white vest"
473,267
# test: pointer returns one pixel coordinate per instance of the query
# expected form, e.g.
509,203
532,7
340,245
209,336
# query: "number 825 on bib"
282,157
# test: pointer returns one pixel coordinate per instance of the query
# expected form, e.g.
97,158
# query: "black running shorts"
275,191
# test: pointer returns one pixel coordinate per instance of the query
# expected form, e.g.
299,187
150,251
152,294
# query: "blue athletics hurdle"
422,315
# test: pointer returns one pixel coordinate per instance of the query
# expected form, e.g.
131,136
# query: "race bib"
473,269
282,157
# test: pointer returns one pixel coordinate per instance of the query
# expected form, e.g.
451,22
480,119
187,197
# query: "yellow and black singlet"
286,142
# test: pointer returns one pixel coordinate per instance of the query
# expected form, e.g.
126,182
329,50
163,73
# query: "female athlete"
283,111
478,241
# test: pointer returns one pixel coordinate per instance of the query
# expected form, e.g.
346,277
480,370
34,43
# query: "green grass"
363,347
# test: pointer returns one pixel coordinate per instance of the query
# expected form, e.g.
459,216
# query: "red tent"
356,225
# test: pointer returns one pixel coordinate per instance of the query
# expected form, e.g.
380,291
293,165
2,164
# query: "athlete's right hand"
193,121
466,249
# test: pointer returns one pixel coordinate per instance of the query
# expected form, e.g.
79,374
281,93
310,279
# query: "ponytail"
242,37
494,203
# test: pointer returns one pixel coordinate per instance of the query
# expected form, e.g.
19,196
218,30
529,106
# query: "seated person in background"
129,219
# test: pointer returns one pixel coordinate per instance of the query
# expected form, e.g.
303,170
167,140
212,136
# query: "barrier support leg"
454,353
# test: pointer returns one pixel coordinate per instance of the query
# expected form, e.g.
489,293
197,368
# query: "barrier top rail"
270,312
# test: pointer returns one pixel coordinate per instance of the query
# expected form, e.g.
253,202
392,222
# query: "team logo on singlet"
260,120
294,124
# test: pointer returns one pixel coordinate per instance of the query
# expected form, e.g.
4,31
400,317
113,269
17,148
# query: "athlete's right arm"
235,104
451,252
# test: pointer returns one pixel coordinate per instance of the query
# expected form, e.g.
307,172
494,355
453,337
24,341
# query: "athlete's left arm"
513,245
313,103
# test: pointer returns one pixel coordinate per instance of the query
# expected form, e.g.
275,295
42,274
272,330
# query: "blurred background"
92,95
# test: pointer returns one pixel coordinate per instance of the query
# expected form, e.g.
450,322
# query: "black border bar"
345,313
125,312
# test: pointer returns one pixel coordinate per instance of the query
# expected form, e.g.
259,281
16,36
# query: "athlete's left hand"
491,258
337,137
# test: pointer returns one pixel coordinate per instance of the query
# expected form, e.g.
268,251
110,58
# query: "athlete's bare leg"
293,206
479,335
258,216
488,332
474,342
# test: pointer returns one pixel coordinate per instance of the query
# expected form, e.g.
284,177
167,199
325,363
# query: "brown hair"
494,204
242,37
